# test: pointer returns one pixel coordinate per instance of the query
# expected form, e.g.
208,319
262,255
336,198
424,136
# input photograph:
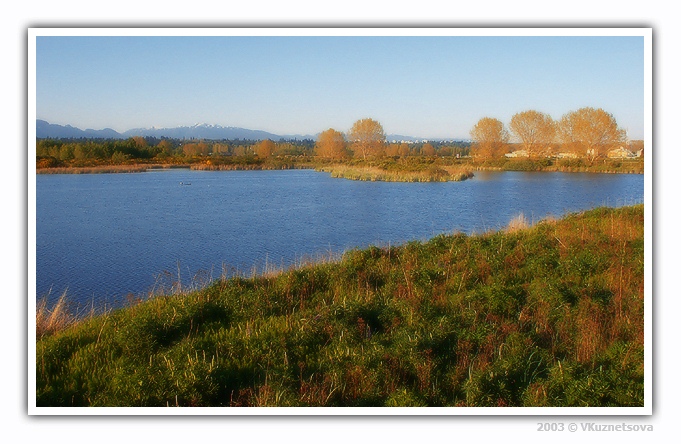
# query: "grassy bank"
550,315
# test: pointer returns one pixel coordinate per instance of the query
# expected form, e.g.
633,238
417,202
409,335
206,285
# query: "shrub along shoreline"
548,315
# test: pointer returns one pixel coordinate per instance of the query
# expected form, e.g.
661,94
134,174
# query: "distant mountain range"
46,130
199,131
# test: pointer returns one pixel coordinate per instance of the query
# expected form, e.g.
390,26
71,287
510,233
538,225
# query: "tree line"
75,152
366,140
587,133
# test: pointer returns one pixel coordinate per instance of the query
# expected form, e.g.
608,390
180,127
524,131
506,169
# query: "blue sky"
424,86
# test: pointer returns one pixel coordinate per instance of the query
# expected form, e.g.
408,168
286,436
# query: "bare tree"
535,130
367,138
591,132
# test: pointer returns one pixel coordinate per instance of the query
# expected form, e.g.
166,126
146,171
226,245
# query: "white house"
620,153
519,153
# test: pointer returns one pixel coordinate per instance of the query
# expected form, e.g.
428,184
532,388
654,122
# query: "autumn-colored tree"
490,137
536,131
591,132
404,149
190,149
367,138
331,144
264,149
392,150
428,149
195,149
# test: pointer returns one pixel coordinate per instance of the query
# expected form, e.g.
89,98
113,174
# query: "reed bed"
376,173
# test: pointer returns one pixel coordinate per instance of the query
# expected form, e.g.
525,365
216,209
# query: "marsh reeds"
376,173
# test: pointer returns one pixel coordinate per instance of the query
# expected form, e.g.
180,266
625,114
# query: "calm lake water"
104,236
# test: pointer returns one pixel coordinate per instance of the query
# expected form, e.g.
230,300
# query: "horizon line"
215,125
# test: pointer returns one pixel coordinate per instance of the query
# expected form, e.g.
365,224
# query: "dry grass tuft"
51,320
518,223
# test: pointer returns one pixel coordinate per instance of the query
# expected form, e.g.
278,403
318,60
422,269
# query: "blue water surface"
102,237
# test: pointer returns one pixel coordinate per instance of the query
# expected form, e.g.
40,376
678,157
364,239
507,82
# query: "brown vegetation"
490,137
331,144
535,130
367,138
590,132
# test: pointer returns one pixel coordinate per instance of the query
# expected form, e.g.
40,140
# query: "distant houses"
618,153
623,153
518,153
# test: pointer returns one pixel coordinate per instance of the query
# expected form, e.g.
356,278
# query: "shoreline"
111,169
375,173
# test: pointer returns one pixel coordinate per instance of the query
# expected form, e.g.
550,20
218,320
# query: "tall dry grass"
49,320
519,222
376,173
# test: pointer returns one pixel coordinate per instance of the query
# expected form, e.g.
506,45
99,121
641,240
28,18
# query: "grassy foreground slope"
550,315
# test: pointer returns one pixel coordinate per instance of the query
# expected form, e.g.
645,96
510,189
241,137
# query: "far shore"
101,169
608,166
